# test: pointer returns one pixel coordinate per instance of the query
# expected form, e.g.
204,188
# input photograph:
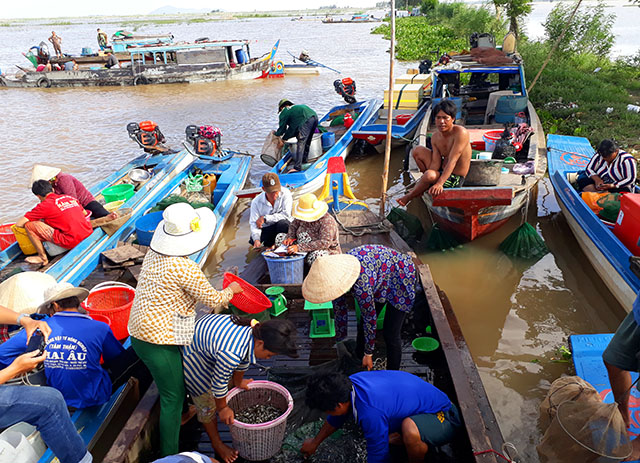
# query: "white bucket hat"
40,172
62,291
330,277
183,230
308,208
25,291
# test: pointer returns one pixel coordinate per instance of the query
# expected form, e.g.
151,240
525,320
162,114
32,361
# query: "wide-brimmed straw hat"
308,208
183,230
330,277
24,292
62,291
40,172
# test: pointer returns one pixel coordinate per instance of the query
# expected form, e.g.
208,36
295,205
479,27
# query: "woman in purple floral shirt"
384,276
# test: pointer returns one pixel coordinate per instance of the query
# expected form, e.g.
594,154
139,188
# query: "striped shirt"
622,170
219,348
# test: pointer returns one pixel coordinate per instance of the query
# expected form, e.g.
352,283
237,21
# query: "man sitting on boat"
112,61
446,162
59,219
610,170
270,212
391,407
298,121
74,349
67,184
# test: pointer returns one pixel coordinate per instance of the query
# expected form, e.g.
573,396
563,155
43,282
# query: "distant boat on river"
357,18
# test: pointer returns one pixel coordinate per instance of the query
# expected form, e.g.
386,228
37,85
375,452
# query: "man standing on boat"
298,121
102,39
56,40
446,159
270,212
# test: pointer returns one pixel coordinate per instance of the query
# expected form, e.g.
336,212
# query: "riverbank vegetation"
582,90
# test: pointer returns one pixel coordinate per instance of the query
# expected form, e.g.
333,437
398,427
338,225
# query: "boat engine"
346,88
148,136
205,139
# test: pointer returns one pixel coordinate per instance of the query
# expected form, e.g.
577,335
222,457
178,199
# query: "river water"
513,315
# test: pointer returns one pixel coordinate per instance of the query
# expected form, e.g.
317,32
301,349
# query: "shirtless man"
56,40
447,162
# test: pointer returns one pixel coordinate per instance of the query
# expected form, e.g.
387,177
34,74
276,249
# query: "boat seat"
53,249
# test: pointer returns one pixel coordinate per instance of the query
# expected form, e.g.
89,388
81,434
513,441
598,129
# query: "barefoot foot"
225,453
36,260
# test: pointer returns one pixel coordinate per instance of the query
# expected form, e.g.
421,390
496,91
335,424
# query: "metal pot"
139,175
315,149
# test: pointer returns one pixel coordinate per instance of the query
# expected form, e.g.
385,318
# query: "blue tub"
146,226
286,270
241,56
328,140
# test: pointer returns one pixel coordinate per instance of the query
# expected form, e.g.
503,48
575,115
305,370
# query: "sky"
66,8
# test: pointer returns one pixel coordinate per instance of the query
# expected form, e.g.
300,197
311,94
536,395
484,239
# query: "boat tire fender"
43,82
140,80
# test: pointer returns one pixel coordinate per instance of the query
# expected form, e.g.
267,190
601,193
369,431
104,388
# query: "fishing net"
610,205
524,243
585,431
441,240
563,389
407,225
174,199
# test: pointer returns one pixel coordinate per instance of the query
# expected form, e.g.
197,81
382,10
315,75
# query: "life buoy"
140,80
43,82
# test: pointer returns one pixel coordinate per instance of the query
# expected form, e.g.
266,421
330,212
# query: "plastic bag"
591,199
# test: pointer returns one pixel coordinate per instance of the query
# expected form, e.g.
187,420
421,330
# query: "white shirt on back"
281,210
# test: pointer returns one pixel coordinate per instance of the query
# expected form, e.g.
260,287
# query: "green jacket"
292,118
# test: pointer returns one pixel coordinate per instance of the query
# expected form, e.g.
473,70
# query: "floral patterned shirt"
386,275
323,234
169,288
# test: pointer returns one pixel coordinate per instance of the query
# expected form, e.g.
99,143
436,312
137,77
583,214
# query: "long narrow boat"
313,173
163,64
609,257
355,19
489,196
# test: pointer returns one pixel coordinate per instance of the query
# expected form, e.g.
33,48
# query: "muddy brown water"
514,315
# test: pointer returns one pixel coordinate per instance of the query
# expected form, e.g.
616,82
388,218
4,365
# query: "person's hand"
598,184
244,383
436,189
367,362
27,362
292,249
30,325
280,143
308,448
260,221
607,186
226,415
288,241
235,287
257,244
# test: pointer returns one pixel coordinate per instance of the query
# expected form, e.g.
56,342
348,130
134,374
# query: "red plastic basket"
251,300
115,304
7,238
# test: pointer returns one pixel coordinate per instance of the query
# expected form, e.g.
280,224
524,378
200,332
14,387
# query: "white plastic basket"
256,442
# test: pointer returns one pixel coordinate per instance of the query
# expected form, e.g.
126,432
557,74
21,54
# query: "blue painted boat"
312,176
609,257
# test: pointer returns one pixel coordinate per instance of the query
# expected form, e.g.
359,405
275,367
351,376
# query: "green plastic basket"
425,344
120,192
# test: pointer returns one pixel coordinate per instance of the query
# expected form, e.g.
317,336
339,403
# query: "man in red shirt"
59,219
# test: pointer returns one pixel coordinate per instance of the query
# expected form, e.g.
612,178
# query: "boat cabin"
223,52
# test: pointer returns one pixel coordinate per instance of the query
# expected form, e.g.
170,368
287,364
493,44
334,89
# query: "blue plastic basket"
146,226
286,270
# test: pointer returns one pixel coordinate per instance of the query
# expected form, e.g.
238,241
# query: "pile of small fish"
258,414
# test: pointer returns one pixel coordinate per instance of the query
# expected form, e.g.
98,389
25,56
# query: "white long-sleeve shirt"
281,210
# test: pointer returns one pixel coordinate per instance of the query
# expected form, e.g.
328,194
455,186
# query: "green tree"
515,10
429,5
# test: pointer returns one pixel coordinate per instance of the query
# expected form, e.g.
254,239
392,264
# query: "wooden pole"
387,147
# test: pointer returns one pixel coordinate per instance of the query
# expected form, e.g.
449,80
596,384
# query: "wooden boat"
164,64
301,69
312,176
358,18
609,257
485,202
451,368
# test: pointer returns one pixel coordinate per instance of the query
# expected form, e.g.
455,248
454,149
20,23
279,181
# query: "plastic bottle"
630,107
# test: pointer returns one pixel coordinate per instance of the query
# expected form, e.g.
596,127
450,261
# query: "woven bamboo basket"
256,442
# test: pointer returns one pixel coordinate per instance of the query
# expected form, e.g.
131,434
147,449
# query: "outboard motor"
205,139
148,136
346,88
425,66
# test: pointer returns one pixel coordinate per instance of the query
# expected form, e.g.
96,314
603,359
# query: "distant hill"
168,9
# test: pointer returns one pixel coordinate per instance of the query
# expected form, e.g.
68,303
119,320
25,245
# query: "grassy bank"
572,94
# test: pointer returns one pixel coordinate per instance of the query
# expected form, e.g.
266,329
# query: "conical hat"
330,277
40,172
24,292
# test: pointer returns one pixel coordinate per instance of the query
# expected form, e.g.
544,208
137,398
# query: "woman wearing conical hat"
312,231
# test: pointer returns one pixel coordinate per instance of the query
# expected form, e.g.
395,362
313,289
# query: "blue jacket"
73,357
381,400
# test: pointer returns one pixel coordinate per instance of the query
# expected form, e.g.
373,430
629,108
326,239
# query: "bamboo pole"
387,147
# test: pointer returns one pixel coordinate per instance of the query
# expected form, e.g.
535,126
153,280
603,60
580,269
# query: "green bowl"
425,344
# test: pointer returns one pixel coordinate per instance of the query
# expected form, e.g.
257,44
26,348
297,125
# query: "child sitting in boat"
446,162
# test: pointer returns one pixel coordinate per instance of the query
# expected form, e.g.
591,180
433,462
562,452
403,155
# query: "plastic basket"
7,238
251,300
146,226
287,270
402,119
490,139
256,442
114,205
123,192
114,302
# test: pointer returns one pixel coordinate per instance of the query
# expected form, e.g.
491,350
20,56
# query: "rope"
555,45
506,447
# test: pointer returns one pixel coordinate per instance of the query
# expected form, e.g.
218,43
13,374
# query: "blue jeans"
44,408
305,136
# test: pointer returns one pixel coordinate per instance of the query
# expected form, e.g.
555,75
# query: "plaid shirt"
4,333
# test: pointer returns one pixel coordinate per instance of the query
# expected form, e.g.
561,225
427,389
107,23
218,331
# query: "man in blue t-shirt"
74,348
389,406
